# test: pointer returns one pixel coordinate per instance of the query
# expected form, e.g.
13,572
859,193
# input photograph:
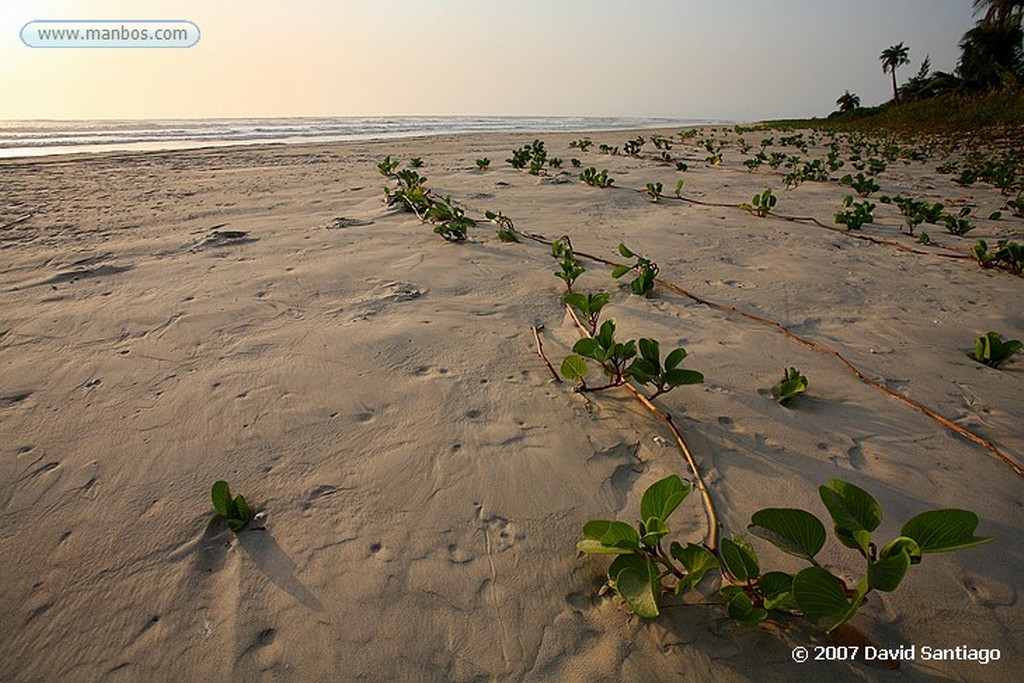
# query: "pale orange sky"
725,59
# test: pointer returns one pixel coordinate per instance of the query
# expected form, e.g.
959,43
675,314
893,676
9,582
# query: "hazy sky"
720,59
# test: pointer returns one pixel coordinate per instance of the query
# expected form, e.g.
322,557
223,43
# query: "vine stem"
540,352
709,504
903,398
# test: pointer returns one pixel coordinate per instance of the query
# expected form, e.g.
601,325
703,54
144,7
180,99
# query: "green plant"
450,221
791,385
589,305
506,229
810,170
234,509
815,592
924,238
1008,255
576,163
679,187
640,570
1017,206
645,269
533,155
967,176
756,160
856,215
483,164
592,177
555,162
991,350
632,147
388,166
520,158
916,212
660,142
569,267
681,166
762,204
648,369
959,224
416,162
654,191
862,184
582,144
411,192
834,162
602,347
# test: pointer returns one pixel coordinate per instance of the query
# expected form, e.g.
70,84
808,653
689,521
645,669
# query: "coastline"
377,391
46,138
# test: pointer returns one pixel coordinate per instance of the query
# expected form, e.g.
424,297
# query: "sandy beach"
259,315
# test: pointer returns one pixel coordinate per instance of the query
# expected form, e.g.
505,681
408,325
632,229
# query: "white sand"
376,390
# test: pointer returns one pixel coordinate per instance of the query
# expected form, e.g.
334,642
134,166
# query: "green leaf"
636,580
777,588
613,534
662,497
742,610
619,271
796,532
586,347
650,350
576,300
596,528
855,513
902,544
678,377
654,530
244,512
740,558
607,333
885,574
624,250
675,358
820,595
643,370
222,501
698,561
574,368
589,545
938,531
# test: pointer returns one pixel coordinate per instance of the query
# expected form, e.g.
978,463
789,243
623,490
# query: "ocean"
37,138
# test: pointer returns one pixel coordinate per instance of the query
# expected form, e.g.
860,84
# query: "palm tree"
998,10
893,57
992,54
848,102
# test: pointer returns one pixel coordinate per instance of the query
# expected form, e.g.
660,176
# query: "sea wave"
34,138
